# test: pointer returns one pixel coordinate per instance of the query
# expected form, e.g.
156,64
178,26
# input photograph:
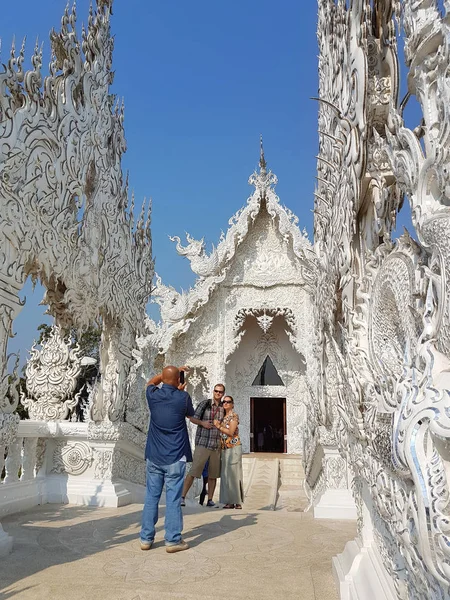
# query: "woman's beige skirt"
231,483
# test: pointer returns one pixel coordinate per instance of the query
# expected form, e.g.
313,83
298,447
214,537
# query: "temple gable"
264,259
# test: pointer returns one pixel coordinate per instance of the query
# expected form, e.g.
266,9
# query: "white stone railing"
77,463
23,485
19,460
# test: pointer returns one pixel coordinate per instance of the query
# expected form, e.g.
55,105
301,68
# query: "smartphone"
181,377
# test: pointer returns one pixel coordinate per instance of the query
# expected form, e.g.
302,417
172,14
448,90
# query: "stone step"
292,501
291,493
294,468
299,489
262,486
295,474
292,481
274,482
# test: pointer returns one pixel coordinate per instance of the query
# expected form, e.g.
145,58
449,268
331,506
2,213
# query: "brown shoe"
146,545
182,545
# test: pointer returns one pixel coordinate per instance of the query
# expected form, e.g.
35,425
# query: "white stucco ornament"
68,222
51,374
382,307
66,215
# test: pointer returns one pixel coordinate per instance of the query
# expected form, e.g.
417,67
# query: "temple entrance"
267,424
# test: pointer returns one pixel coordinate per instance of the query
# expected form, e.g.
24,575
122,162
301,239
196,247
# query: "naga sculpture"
382,314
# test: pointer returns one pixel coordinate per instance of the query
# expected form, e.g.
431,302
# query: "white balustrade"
18,460
28,459
33,467
13,461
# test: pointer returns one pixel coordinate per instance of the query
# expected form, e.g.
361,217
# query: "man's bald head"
171,376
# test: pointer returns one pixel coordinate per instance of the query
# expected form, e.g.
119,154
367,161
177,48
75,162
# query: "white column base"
360,575
6,542
22,495
92,492
336,504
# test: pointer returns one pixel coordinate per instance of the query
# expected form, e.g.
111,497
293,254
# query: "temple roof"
178,310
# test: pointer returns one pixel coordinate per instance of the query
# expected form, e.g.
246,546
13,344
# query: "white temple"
247,321
337,350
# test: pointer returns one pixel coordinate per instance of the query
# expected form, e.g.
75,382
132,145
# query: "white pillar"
337,500
9,424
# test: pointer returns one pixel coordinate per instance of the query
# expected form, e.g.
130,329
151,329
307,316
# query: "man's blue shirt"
168,440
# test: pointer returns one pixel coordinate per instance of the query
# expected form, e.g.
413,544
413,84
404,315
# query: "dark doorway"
268,425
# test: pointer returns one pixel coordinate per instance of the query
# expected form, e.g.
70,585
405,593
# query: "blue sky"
201,80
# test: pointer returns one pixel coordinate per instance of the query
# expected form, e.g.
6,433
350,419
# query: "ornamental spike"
262,160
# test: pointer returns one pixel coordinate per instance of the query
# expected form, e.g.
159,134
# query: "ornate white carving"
382,308
52,375
9,424
264,321
126,467
103,464
71,457
290,261
264,317
13,460
358,326
29,457
252,298
64,203
336,473
9,390
106,431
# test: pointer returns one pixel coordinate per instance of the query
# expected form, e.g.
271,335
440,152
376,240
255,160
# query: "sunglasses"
219,391
227,402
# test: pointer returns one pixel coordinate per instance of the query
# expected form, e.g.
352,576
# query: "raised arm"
155,380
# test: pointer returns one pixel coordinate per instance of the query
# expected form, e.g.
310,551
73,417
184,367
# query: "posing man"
166,453
207,443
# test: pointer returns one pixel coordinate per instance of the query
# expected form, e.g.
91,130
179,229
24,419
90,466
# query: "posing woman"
231,484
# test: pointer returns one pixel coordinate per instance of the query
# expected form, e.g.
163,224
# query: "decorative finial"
264,181
262,160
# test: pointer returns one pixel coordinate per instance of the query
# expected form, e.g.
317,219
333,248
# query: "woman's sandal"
229,506
238,506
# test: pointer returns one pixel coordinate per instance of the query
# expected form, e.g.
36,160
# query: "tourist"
207,443
231,480
166,453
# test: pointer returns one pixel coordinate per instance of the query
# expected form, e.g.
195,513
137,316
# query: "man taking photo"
167,451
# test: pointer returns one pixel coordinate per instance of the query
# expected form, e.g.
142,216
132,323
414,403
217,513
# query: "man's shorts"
201,455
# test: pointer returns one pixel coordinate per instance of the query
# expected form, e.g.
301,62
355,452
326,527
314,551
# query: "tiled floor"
78,553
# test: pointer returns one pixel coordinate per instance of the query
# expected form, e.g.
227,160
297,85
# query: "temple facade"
246,322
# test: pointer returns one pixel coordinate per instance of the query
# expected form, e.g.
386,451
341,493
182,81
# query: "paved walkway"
80,553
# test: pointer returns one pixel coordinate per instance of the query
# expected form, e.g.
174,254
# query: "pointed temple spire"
262,160
263,180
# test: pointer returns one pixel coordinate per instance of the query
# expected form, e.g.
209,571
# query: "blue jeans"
173,477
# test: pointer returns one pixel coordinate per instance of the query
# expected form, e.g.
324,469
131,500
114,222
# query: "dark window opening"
267,374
